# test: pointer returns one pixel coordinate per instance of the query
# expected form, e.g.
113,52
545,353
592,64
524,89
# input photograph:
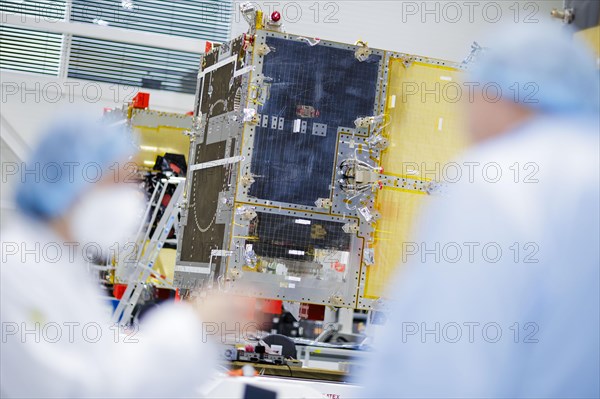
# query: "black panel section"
316,84
218,89
201,234
232,149
278,234
218,92
237,47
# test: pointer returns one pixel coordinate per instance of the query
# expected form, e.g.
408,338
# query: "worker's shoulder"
544,152
546,136
526,176
26,244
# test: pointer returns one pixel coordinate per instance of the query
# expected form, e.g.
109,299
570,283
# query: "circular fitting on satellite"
336,300
275,16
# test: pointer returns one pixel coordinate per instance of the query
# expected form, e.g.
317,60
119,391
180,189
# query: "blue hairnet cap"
74,153
540,66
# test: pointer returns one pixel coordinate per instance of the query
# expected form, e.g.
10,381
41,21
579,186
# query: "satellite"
308,162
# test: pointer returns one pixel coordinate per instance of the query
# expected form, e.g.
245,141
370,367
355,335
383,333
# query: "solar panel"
295,165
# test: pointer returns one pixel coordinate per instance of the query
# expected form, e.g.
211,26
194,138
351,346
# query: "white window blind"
31,51
133,65
204,19
49,10
144,66
110,61
27,50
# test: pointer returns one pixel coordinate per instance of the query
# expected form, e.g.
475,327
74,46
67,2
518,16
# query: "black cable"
289,368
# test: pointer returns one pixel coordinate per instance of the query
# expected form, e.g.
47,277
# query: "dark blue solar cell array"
333,88
278,234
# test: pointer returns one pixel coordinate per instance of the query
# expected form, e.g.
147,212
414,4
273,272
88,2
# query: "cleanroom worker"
75,203
499,295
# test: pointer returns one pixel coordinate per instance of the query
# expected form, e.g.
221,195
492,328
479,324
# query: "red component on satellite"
312,311
275,16
307,111
339,267
248,41
248,38
141,100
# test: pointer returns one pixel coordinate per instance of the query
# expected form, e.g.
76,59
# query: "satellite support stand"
146,258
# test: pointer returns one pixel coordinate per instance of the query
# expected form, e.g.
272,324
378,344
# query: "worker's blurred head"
528,70
75,181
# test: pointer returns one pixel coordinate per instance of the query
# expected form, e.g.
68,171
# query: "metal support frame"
144,266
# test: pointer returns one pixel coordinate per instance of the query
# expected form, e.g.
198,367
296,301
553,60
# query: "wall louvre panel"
114,62
30,51
133,65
